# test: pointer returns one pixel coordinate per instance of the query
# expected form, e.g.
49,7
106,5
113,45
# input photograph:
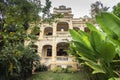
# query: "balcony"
61,58
62,33
47,38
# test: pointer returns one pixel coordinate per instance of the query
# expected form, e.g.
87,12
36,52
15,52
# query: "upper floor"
62,26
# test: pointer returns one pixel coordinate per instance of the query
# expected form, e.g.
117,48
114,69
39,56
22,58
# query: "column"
40,49
54,29
54,51
41,32
70,24
82,26
53,55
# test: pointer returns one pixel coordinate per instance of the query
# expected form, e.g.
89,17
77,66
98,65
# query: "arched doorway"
47,50
62,48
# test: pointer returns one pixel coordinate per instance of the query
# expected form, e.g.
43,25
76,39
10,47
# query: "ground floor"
57,55
54,51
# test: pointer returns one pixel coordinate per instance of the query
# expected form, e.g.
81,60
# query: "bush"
41,68
64,70
57,69
71,70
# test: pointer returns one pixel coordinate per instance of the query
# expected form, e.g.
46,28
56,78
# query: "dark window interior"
61,52
49,52
49,33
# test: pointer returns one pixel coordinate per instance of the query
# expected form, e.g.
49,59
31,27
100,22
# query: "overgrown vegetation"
41,68
116,10
99,49
58,76
64,70
97,8
16,59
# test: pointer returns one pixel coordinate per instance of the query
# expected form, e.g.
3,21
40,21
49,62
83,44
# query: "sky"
81,8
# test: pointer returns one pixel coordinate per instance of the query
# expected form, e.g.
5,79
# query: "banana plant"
110,24
98,48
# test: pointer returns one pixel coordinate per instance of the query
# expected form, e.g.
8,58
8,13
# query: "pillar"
70,24
41,32
54,29
54,51
40,49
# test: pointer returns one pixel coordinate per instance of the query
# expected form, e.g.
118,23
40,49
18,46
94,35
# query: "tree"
16,59
116,10
97,8
99,49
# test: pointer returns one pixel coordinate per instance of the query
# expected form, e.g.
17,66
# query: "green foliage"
98,48
64,70
111,30
16,59
41,68
57,69
71,70
116,10
58,76
97,8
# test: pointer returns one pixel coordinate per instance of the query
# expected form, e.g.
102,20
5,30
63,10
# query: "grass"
58,76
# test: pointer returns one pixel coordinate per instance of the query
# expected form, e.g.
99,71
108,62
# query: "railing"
61,58
48,37
63,33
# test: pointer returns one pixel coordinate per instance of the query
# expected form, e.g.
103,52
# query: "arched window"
62,49
48,31
62,26
47,50
76,28
86,29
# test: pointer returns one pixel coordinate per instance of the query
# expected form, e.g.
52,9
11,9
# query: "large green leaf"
96,38
107,51
91,27
97,68
109,23
84,51
80,37
114,78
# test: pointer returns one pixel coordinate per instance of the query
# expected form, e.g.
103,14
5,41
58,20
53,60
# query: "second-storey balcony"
62,33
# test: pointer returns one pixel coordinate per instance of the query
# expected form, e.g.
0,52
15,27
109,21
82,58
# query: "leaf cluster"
98,48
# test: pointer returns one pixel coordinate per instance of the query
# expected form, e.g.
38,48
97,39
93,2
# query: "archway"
62,26
48,31
47,50
62,48
76,28
86,29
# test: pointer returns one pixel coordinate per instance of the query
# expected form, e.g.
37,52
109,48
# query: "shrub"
57,69
41,68
71,70
64,70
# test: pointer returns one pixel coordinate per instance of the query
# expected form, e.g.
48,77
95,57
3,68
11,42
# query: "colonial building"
53,40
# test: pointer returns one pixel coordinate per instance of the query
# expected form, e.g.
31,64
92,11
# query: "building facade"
54,39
